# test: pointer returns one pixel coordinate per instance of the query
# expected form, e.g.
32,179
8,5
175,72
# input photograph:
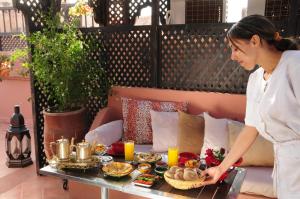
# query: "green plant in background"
62,65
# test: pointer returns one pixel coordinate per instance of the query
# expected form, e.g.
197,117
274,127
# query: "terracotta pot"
67,124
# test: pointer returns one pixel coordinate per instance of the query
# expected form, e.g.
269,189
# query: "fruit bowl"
185,156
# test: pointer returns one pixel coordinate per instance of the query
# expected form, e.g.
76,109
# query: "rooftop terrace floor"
24,183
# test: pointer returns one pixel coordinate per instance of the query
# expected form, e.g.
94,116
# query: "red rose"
209,152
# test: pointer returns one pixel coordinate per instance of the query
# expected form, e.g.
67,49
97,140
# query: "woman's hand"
212,175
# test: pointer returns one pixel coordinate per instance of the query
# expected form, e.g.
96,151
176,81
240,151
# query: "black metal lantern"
17,142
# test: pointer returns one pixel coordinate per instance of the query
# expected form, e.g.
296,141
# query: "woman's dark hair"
264,28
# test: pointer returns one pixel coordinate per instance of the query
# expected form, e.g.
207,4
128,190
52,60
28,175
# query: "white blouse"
273,108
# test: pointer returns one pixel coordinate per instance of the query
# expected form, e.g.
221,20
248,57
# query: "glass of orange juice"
129,150
172,156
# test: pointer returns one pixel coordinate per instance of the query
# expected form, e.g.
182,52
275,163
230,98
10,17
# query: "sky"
235,8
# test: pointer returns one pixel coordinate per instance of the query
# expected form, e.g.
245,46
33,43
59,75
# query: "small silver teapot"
62,148
83,150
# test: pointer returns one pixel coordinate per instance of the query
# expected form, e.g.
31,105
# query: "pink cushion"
104,116
165,130
137,119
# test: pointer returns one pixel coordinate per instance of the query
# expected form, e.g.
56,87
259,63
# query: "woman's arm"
241,145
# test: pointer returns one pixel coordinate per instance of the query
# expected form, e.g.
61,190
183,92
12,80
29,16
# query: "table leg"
104,193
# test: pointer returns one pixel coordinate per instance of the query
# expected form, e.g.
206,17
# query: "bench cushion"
258,181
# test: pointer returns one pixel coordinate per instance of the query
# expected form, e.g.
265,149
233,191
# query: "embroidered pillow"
137,119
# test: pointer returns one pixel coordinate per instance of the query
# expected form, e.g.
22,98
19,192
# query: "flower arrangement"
5,66
80,8
215,157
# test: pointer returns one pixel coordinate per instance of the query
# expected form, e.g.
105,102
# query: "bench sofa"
219,105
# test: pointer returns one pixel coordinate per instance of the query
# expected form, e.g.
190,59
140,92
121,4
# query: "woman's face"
244,52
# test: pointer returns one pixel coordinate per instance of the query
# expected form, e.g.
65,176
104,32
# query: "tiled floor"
24,183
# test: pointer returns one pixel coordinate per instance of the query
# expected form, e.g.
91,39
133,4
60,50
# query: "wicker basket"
184,185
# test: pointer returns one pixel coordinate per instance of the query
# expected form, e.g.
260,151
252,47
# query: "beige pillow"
261,153
190,132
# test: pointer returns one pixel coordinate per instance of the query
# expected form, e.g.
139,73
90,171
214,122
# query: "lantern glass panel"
15,147
25,146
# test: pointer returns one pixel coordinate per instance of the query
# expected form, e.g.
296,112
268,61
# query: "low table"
161,189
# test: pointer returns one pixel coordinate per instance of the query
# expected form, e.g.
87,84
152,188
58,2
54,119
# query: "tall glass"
172,156
129,150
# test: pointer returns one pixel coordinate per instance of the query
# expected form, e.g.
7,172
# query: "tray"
93,162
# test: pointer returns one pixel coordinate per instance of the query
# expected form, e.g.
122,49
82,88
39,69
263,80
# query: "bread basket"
184,185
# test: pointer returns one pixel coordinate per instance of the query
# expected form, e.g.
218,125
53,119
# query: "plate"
117,169
147,157
145,180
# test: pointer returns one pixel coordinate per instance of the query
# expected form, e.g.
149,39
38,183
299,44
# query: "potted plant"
65,74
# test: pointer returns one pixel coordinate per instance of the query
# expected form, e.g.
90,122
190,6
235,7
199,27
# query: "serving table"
161,189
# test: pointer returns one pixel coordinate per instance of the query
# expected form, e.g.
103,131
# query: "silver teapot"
83,150
62,148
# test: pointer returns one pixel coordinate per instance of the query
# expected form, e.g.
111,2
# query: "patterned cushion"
137,119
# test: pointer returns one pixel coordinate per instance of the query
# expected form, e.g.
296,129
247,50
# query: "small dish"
105,159
160,170
111,152
100,149
161,164
144,167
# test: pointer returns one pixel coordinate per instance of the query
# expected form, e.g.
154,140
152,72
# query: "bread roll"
178,174
170,174
173,169
179,170
190,174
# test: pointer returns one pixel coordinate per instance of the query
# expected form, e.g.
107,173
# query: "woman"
273,100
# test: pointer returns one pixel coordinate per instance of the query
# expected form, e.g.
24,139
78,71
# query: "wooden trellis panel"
125,11
198,58
10,43
128,55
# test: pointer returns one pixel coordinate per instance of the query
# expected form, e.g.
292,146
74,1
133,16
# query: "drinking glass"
172,156
129,150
